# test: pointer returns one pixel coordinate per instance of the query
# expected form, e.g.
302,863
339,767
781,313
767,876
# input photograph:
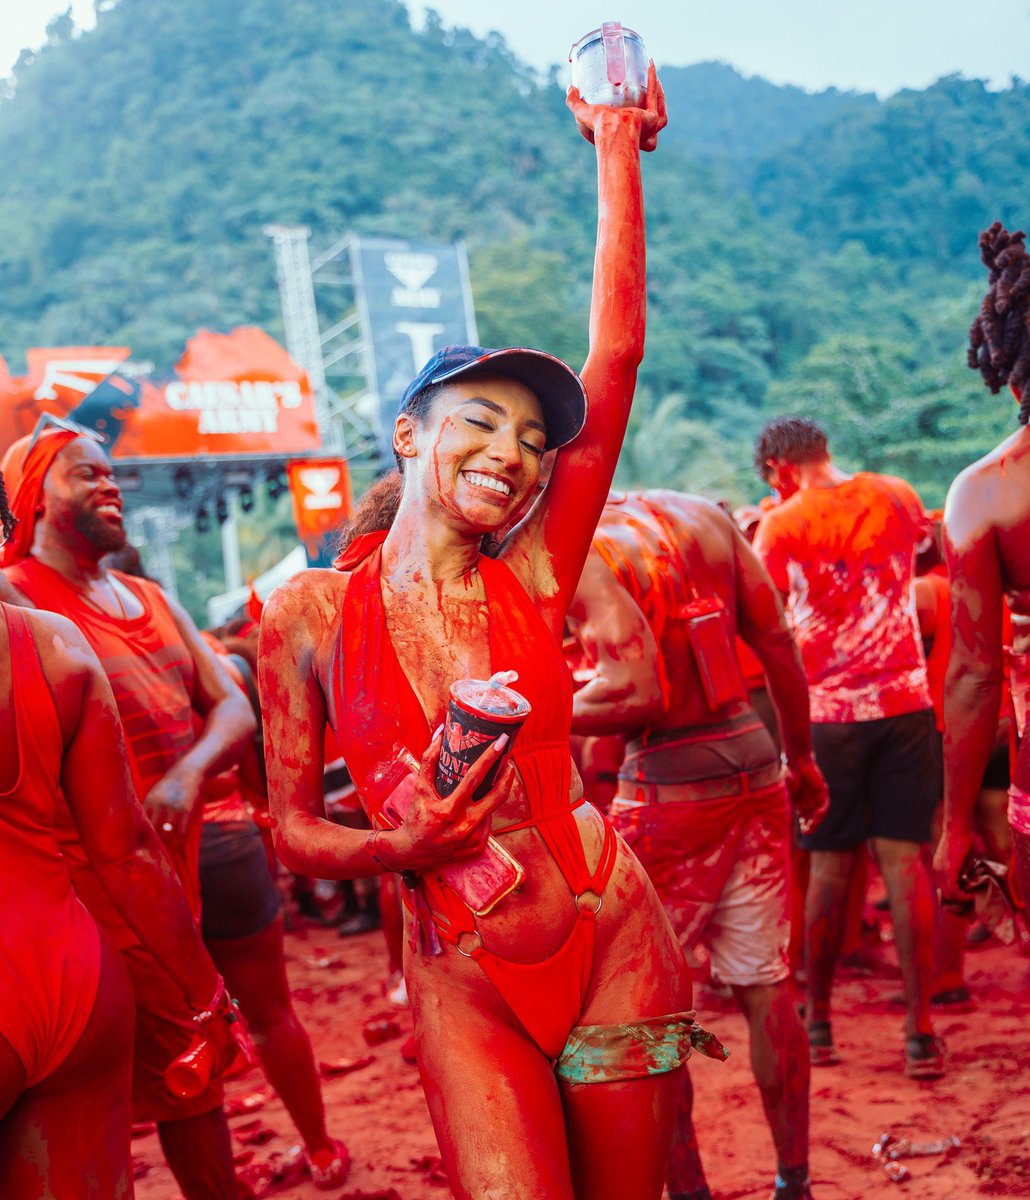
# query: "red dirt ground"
984,1099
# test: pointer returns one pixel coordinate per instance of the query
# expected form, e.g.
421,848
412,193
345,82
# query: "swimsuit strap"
533,822
37,720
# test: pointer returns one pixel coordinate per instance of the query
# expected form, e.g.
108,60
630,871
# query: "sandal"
821,1050
924,1056
329,1166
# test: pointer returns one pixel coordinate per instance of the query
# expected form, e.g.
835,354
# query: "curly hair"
7,518
999,338
793,439
376,509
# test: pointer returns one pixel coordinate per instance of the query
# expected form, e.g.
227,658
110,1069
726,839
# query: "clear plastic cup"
480,710
609,66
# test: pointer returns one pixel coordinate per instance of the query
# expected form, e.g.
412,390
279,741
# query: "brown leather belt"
744,784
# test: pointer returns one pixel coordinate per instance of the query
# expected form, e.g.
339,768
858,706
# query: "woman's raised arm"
557,534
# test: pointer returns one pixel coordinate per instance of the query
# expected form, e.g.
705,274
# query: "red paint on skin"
462,1086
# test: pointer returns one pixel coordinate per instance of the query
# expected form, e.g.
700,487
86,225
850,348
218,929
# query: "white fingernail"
501,742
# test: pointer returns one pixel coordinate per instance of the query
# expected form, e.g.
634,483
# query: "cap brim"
555,384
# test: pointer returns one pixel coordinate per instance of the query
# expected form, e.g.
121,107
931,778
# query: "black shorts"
238,895
885,780
996,773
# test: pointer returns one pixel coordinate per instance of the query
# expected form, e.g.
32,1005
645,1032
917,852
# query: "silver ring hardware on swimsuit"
469,933
589,892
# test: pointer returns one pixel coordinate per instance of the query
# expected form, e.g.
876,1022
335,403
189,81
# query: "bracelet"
373,853
207,1014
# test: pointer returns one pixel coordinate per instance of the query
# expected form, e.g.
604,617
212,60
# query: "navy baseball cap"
555,384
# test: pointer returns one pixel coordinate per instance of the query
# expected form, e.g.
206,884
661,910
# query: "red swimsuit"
379,713
49,945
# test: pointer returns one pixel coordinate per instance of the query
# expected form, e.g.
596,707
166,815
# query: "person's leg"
193,1133
904,870
992,823
748,939
605,1120
254,968
492,1095
1021,864
69,1134
686,1174
800,869
199,1154
659,835
949,950
858,886
842,752
619,1134
906,780
779,1060
825,915
949,954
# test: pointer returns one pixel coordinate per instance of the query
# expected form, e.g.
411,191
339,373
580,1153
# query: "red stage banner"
57,380
322,499
230,394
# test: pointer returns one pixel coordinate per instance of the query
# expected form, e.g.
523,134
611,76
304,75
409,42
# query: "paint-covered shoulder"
59,640
313,598
983,484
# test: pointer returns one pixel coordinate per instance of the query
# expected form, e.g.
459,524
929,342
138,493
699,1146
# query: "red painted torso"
49,947
151,672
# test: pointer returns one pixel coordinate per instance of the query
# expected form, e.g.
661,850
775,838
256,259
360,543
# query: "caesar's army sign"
415,298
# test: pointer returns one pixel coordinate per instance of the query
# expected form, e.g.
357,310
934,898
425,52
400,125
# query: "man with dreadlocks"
842,549
987,543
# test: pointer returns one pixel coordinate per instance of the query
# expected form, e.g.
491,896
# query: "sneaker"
924,1056
329,1166
792,1191
821,1050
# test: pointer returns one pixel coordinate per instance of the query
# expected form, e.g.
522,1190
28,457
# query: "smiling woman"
575,976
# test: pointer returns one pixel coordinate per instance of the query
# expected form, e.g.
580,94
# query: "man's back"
844,556
669,550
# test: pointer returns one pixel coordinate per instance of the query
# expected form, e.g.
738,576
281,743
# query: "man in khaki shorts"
702,798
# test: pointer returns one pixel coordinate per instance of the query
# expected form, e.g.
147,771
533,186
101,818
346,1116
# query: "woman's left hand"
652,116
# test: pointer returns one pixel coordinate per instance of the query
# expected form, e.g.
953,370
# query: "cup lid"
595,35
491,695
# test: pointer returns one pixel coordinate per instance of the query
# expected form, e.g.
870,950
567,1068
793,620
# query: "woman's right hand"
441,829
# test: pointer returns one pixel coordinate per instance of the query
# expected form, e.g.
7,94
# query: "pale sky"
869,45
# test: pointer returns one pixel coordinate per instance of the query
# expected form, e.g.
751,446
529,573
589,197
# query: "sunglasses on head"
48,421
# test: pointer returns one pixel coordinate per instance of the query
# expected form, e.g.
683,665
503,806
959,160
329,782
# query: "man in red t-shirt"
184,721
841,548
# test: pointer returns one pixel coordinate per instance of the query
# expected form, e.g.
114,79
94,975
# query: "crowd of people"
730,724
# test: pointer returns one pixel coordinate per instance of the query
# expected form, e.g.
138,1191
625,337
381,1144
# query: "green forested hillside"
720,116
806,252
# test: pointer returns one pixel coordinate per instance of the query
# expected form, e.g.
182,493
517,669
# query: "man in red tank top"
69,508
842,550
701,800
